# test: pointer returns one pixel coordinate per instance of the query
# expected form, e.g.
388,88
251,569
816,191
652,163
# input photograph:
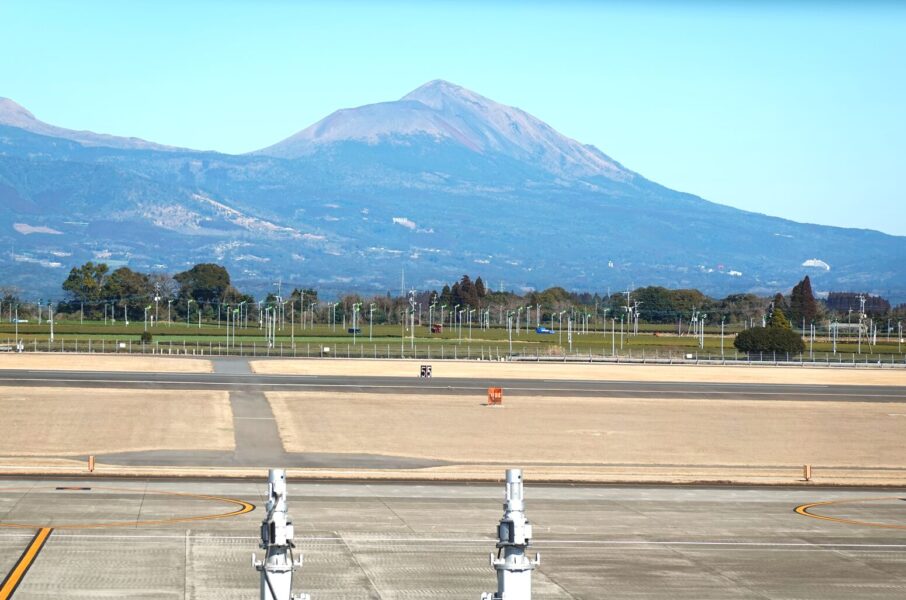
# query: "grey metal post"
514,535
277,542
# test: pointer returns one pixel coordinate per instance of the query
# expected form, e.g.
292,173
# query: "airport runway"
397,541
396,385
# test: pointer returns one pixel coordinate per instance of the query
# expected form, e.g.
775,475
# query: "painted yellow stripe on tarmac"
243,508
14,578
805,510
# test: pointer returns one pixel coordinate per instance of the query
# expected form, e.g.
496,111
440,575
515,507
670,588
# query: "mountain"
14,115
439,183
449,114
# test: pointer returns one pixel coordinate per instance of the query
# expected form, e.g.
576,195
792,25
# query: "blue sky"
792,109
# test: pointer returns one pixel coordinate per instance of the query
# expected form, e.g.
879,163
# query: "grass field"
386,340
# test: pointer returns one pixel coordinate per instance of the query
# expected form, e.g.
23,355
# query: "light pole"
518,315
509,329
442,307
50,317
147,308
470,323
722,337
189,302
560,328
169,305
355,320
371,321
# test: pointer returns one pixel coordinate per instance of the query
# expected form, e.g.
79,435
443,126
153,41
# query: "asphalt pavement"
392,541
453,386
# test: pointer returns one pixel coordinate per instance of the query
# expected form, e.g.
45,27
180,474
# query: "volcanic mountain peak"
442,111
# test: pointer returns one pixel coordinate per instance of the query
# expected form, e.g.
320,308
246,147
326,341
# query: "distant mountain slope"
14,115
440,183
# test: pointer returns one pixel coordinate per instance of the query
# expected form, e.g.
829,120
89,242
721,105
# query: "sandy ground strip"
75,421
821,476
101,362
594,431
585,372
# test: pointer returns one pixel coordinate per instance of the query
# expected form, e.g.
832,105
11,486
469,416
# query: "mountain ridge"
15,115
448,186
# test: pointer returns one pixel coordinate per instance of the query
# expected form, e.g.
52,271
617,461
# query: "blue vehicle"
544,330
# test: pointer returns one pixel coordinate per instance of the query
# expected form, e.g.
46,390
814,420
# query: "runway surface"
432,541
415,385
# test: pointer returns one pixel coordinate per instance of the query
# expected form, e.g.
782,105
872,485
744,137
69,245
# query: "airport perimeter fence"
465,351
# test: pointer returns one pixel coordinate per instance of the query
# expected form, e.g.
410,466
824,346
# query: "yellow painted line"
243,508
14,577
805,510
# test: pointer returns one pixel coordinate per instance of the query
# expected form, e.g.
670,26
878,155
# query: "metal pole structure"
277,542
613,337
50,317
189,302
509,329
569,333
514,536
355,320
470,323
371,321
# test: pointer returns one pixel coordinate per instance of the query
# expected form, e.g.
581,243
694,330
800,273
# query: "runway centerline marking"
15,576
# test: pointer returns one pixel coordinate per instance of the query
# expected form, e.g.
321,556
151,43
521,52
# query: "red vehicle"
437,328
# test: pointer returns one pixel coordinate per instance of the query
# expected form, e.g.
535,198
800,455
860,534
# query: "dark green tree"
203,282
802,302
86,283
778,320
778,337
132,290
480,289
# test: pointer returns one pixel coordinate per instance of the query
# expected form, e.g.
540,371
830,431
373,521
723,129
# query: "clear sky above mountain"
793,109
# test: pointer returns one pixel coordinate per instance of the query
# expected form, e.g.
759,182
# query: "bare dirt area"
603,432
586,372
74,421
101,362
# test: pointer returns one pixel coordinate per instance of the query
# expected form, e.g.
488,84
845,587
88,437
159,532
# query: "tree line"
94,290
